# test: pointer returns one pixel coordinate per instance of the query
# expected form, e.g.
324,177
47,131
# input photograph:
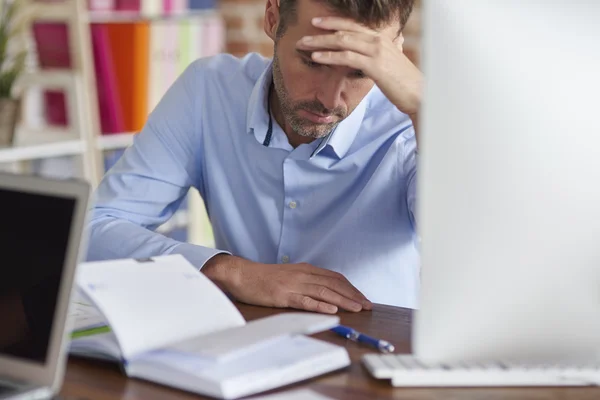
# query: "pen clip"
353,335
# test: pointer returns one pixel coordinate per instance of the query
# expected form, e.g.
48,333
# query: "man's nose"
330,92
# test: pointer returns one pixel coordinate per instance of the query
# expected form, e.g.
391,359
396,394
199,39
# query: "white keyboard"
406,370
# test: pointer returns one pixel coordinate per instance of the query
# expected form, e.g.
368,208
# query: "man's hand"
300,286
379,57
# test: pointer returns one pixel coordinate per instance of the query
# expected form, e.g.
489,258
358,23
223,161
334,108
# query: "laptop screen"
34,235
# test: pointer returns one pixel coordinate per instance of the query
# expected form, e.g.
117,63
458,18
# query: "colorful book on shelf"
157,80
174,44
201,4
128,5
174,7
101,5
135,63
172,53
190,42
196,42
146,8
185,45
52,40
213,36
129,43
109,103
151,7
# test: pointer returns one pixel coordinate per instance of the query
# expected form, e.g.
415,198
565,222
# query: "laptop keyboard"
406,370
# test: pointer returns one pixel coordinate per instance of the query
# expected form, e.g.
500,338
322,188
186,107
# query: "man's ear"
272,18
399,42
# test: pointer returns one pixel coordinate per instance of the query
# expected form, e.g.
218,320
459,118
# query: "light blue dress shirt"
344,202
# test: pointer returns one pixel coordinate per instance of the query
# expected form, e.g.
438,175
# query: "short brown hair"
372,13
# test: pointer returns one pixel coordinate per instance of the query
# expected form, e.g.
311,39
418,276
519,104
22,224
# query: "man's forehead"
310,10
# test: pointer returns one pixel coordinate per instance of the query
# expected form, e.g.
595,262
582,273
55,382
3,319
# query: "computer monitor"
509,182
41,235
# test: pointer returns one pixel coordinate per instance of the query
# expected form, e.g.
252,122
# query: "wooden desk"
93,380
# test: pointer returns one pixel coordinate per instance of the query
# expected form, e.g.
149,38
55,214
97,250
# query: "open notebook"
165,322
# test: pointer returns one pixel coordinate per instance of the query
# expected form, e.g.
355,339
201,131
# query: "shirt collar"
257,115
339,140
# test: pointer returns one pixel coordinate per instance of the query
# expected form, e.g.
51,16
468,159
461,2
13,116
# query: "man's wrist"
223,270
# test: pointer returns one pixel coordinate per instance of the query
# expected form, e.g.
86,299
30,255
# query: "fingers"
307,303
342,288
359,297
344,58
336,282
329,296
341,40
341,24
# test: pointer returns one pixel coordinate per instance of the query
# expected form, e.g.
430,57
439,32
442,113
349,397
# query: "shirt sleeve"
410,161
150,180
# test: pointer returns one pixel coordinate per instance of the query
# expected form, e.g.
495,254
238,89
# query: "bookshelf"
115,141
126,16
37,142
81,140
60,148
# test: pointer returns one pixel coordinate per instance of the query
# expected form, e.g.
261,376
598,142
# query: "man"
306,164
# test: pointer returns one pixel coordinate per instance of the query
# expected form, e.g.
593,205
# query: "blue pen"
355,336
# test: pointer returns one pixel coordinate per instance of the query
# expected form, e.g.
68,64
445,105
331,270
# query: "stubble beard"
299,125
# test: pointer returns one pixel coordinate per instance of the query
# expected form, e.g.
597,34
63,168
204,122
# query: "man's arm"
147,185
149,182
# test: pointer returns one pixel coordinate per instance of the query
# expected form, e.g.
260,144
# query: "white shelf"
47,150
50,78
52,11
132,16
27,136
115,141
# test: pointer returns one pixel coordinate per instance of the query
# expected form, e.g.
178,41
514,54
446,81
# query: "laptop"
41,238
509,198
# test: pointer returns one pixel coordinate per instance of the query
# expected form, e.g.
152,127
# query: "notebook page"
85,315
152,303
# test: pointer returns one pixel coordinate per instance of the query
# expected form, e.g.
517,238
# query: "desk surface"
95,380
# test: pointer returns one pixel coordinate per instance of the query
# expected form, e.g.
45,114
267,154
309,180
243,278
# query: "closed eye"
311,64
358,74
306,57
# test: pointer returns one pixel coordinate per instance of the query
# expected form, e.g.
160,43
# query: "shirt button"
293,204
285,259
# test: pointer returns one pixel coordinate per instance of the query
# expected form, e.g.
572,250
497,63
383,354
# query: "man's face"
313,97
